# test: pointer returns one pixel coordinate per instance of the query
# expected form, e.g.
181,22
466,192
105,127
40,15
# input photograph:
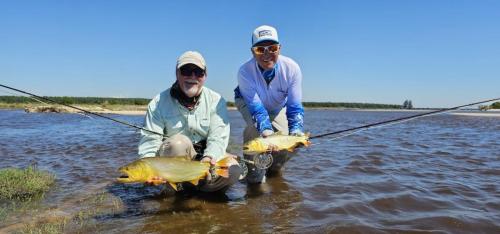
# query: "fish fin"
194,182
307,143
291,149
225,161
174,186
224,172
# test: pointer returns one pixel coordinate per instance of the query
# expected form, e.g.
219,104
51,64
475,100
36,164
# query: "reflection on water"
434,174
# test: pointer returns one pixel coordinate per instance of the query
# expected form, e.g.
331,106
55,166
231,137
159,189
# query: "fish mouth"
123,178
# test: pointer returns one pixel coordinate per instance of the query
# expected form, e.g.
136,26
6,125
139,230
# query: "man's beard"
191,90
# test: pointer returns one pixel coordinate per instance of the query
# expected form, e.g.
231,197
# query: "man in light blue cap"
269,96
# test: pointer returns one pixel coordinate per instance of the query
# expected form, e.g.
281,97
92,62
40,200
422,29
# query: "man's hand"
297,133
212,162
267,133
273,148
209,159
155,181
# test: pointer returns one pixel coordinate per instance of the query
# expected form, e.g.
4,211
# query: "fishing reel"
263,161
260,161
244,169
213,174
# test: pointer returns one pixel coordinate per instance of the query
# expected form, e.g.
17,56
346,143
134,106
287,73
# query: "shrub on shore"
23,184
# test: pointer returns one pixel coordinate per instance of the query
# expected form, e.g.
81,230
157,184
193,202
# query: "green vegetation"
19,187
407,104
140,103
79,100
495,105
350,105
81,221
23,184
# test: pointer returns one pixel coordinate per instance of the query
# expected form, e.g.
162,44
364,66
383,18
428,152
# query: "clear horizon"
435,53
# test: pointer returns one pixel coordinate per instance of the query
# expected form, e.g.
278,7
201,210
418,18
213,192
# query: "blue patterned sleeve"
246,89
294,108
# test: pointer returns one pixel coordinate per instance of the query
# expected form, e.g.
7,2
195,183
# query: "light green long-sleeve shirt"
208,120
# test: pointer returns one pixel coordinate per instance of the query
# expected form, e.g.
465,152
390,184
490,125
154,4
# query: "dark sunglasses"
188,70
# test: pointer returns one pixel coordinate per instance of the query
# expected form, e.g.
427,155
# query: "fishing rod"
400,119
83,110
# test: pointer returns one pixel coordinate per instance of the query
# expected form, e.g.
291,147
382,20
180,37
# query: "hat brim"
265,39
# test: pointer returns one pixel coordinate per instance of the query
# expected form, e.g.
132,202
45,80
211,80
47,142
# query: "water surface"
437,174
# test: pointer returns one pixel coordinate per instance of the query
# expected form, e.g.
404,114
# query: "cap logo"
265,33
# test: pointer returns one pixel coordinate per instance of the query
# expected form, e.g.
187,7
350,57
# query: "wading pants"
280,123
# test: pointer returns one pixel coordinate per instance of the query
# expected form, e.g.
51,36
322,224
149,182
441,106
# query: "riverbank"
141,109
488,113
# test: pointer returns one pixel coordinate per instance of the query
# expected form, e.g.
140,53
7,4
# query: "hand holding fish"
212,162
209,159
275,142
155,181
273,148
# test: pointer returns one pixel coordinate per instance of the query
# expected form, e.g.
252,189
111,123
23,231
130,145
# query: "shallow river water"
438,174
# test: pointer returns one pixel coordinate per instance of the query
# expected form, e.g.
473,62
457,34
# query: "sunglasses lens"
187,71
198,72
273,48
259,49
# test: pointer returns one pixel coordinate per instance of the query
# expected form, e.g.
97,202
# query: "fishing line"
354,130
40,101
83,110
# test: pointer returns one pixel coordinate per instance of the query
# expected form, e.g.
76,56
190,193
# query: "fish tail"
174,186
223,171
194,182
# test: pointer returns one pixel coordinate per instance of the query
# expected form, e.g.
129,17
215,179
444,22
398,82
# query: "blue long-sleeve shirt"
264,99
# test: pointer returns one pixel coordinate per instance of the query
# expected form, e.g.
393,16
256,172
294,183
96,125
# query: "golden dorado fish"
172,169
282,142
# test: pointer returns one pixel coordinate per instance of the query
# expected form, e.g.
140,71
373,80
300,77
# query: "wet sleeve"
255,106
218,134
150,142
294,108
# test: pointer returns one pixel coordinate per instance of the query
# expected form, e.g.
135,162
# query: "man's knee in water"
177,145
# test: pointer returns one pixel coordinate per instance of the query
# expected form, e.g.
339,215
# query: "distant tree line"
351,105
79,100
407,104
145,101
495,105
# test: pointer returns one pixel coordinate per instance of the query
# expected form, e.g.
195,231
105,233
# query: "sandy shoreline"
489,113
482,114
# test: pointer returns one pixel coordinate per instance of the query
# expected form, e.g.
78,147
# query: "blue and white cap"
264,33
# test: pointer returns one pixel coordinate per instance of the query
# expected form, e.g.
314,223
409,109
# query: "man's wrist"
207,156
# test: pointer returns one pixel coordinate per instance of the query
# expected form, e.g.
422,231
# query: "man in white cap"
269,96
190,114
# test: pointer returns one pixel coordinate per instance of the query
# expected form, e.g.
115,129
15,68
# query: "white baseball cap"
264,33
191,57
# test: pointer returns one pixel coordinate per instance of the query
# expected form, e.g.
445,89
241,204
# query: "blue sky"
436,53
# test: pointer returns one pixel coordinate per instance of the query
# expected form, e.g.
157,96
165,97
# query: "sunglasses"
273,49
188,70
